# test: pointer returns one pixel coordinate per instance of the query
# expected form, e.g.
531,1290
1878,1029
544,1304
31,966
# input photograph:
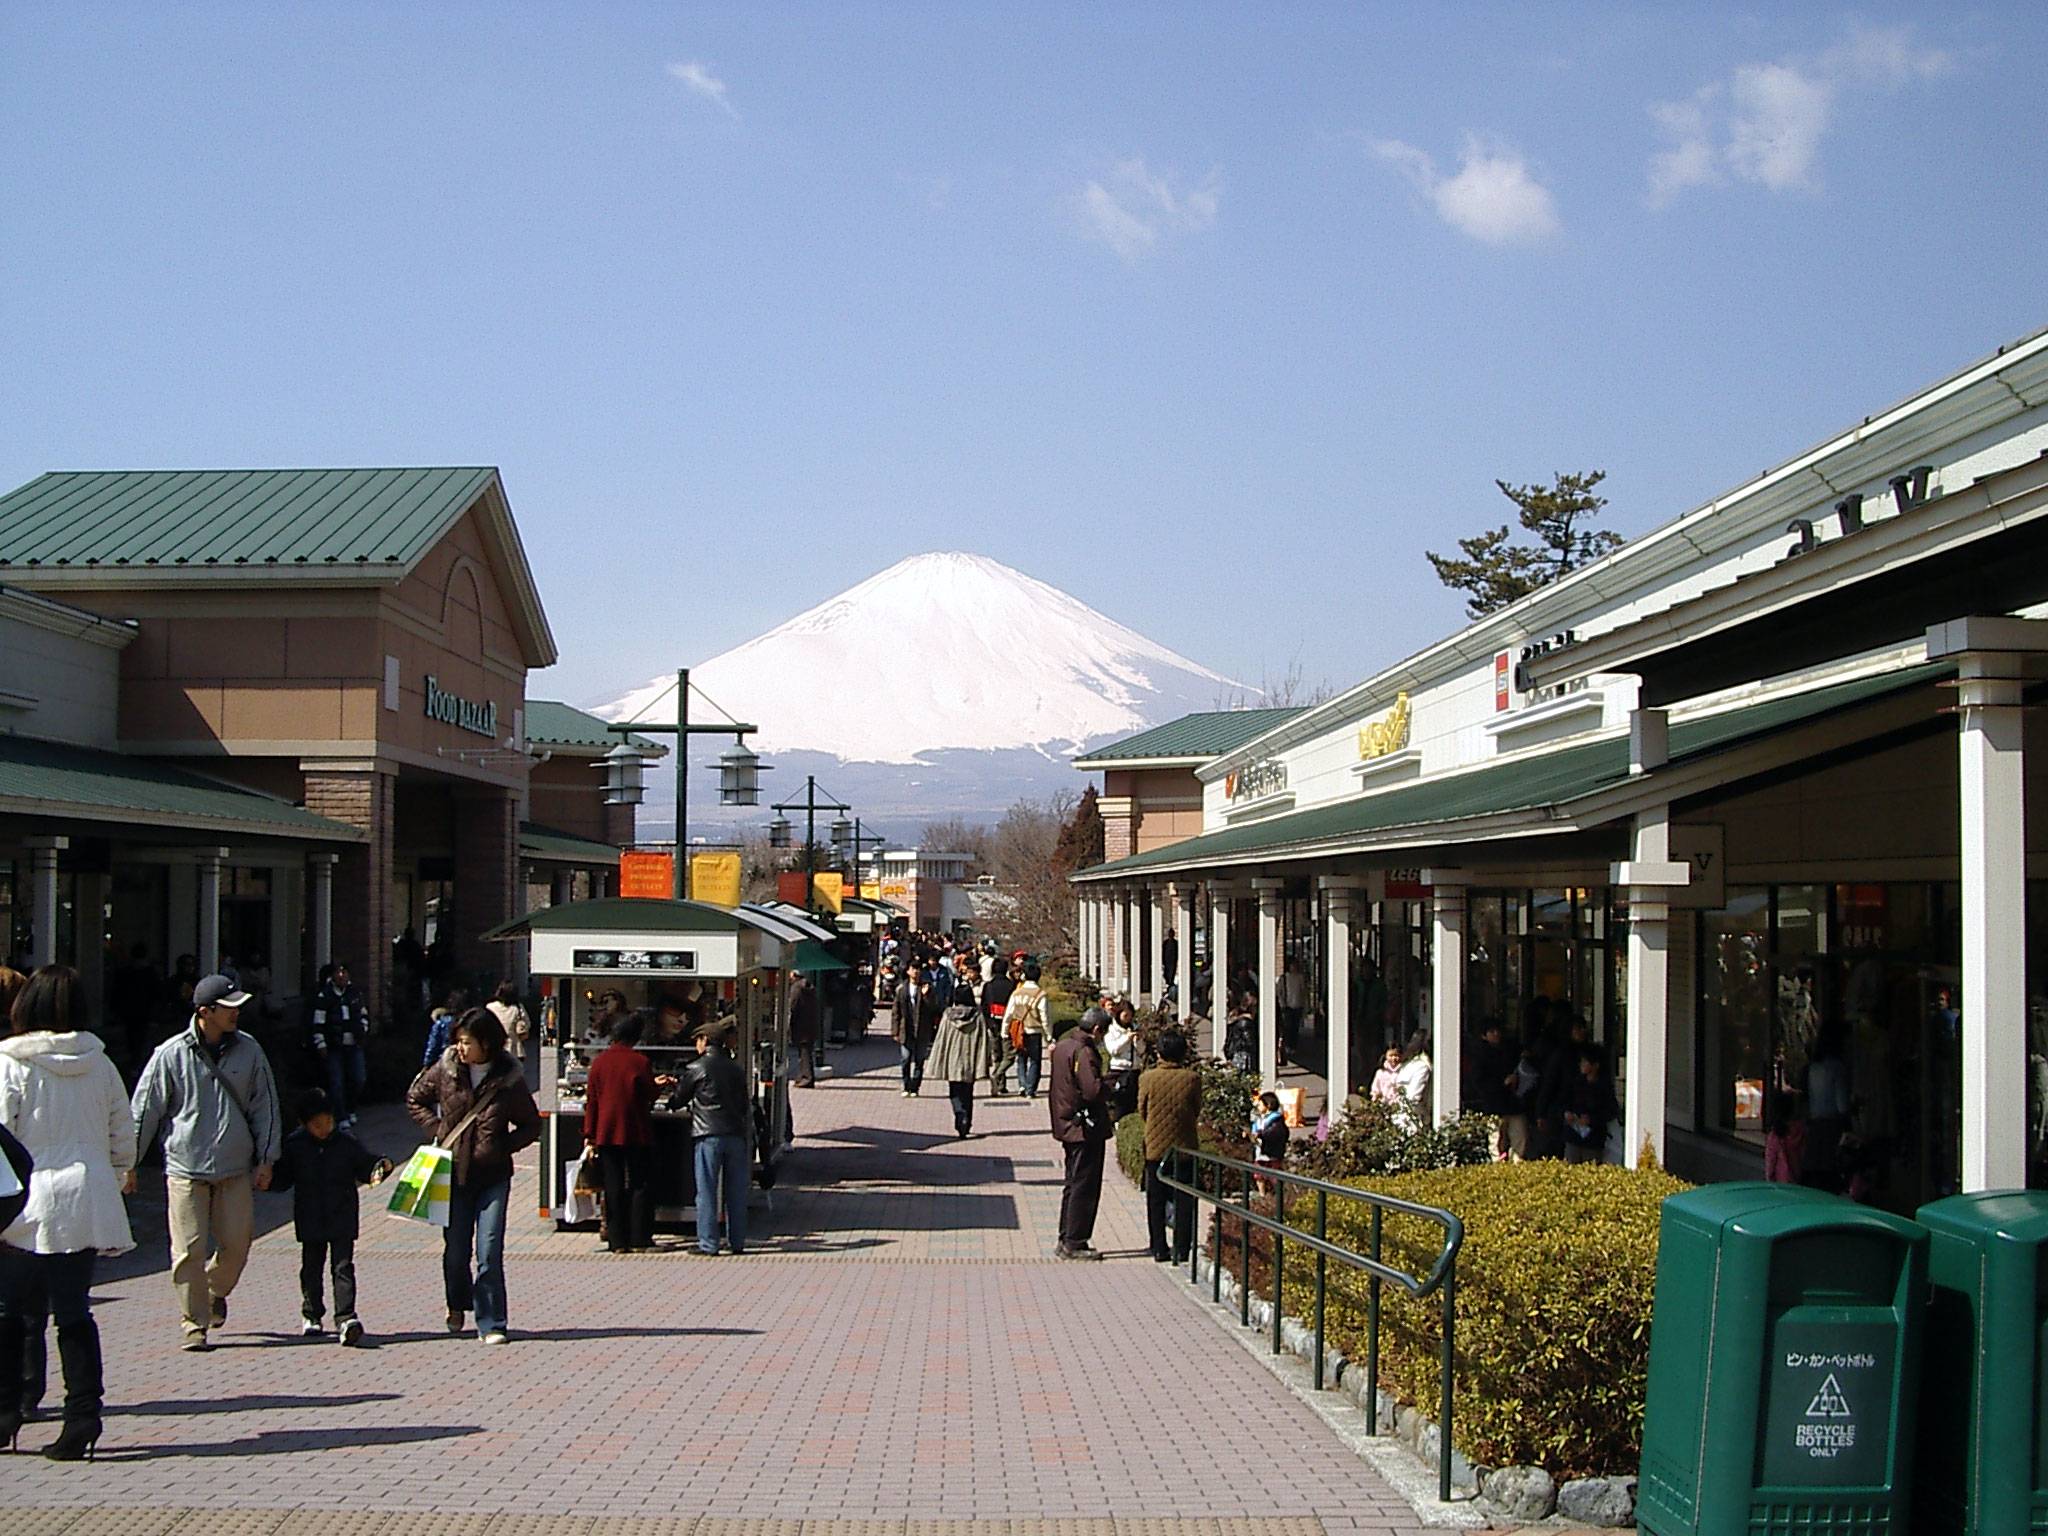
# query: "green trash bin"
1784,1362
1983,1430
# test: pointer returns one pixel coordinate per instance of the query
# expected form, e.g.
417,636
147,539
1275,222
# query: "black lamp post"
810,805
739,770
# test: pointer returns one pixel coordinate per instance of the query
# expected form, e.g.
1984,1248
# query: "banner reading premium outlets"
715,878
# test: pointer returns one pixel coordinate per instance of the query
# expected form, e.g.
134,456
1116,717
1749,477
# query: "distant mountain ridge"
948,684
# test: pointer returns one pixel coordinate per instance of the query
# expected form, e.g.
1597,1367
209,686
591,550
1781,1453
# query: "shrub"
1130,1147
1227,1096
1376,1138
1553,1307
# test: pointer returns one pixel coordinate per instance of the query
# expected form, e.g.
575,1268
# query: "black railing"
1228,1175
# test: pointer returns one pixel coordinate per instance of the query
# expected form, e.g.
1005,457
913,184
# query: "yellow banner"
870,890
715,878
829,891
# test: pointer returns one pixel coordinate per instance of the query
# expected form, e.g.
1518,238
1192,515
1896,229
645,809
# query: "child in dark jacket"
323,1167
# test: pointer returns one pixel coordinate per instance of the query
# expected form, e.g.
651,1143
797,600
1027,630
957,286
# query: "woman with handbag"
511,1013
475,1103
64,1100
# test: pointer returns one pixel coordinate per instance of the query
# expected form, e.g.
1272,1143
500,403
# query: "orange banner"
647,876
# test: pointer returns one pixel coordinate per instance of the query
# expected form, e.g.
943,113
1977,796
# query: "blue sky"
1216,317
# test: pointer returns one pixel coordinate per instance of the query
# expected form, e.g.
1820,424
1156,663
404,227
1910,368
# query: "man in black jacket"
1490,1084
715,1088
1079,1101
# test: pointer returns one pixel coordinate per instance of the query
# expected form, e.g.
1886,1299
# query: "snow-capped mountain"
953,683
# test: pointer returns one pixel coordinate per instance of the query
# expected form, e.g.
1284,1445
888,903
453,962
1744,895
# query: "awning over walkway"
55,782
545,845
813,956
1542,790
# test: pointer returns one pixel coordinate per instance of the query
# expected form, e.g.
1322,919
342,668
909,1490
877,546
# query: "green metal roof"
226,517
554,724
810,955
1200,735
58,781
1551,778
621,914
538,842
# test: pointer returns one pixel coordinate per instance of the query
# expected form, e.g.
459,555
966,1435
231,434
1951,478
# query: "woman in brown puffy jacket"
475,1102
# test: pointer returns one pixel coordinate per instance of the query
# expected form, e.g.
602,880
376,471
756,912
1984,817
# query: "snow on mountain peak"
945,650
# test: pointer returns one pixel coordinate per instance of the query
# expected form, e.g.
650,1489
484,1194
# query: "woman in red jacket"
618,1124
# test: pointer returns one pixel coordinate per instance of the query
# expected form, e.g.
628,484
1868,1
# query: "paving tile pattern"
900,1353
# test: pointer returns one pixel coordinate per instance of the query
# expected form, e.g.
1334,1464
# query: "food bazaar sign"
463,714
1256,781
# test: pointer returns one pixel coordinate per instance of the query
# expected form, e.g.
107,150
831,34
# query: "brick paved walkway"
901,1348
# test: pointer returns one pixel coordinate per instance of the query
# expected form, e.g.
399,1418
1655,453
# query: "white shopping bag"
579,1205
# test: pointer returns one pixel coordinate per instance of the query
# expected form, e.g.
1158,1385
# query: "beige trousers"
216,1216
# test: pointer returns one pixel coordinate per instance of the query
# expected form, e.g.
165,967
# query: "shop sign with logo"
463,714
1503,682
1562,640
1386,735
1700,849
1396,885
636,959
1256,781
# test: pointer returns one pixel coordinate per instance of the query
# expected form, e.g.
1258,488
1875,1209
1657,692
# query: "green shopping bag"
421,1190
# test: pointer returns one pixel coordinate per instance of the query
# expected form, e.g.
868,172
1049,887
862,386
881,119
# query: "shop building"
1746,795
1150,795
347,649
927,885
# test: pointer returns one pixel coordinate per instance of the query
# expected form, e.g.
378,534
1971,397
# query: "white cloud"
1766,122
1131,209
1493,197
704,83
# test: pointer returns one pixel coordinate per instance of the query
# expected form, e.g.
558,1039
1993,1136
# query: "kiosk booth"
693,964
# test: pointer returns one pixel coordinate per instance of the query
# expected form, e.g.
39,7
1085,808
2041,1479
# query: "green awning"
552,847
812,956
1537,782
55,781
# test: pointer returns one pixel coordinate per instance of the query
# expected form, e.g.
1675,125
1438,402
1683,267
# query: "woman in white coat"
63,1098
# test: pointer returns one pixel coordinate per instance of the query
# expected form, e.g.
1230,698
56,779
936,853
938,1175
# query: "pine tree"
1080,843
1495,572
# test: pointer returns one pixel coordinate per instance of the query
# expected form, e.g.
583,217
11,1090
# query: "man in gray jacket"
210,1092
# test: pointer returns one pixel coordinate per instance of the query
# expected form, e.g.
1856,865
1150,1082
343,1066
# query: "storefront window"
1830,1013
1735,979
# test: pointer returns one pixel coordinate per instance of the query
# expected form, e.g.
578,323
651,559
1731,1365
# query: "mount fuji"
947,685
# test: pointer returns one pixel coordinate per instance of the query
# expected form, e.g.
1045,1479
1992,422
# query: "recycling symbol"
1828,1402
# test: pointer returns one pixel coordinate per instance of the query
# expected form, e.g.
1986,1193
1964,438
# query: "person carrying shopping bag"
474,1101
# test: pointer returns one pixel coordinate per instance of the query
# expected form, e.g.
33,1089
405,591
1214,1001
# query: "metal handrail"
1442,1278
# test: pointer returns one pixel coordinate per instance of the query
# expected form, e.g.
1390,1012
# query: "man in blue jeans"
715,1088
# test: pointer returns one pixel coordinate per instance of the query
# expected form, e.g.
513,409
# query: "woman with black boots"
63,1098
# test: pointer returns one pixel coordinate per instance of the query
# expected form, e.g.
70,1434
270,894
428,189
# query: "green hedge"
1553,1324
1130,1147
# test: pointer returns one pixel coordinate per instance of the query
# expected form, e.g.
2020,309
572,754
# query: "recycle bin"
1784,1362
1983,1442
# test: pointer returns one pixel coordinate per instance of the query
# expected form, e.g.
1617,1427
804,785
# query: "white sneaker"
496,1336
310,1329
351,1333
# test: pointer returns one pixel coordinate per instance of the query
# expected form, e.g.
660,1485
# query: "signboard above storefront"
1255,781
1386,735
636,960
463,714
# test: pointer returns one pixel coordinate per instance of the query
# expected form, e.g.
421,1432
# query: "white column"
209,864
1184,957
1220,893
1269,979
1994,1001
1337,1006
42,901
1649,876
1133,941
1100,923
322,904
1155,948
1447,990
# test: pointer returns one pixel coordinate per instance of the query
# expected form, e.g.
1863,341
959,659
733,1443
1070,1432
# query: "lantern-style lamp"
842,834
780,833
625,774
739,776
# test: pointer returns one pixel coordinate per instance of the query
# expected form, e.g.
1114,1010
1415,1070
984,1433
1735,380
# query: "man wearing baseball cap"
210,1092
